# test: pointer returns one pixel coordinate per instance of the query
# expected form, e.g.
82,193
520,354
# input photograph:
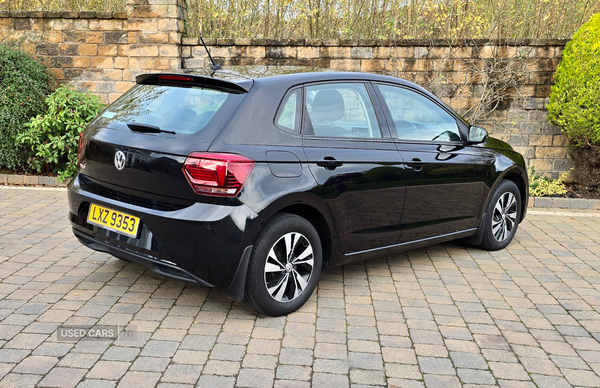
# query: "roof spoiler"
187,79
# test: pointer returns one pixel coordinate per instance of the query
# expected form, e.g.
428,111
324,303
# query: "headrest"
328,105
181,114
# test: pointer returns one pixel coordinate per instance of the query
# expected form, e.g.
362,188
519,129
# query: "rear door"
445,176
355,163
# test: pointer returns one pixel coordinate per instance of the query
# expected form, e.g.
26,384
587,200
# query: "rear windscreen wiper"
140,127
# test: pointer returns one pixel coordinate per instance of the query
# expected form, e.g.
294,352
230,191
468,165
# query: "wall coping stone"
15,179
63,15
187,41
564,203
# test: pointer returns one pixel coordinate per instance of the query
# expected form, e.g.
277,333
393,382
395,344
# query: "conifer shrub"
575,100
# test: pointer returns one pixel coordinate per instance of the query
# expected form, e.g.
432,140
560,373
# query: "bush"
540,186
24,84
575,99
574,102
54,136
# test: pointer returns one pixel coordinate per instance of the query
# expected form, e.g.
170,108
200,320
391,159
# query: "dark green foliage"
54,136
24,84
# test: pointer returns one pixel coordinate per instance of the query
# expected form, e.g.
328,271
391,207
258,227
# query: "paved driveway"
440,317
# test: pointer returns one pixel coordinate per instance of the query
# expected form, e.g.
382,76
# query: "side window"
288,116
340,110
416,117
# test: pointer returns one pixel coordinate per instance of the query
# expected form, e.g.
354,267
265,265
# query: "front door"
445,176
355,163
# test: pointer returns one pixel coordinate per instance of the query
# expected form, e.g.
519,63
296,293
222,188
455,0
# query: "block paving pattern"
444,316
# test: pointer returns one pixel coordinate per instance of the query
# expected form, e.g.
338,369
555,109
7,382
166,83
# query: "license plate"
111,219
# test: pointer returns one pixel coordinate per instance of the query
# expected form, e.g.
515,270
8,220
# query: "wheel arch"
308,211
516,176
519,178
319,222
309,206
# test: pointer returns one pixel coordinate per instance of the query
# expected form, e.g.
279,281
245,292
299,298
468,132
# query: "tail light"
217,174
80,148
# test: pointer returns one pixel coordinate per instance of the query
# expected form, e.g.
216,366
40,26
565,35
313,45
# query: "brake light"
80,148
175,78
217,174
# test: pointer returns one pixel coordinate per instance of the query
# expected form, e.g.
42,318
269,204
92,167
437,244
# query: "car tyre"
502,217
284,267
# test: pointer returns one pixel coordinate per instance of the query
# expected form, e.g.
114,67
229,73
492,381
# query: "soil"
580,191
586,163
21,171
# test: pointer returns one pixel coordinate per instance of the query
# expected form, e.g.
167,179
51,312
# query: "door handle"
416,164
329,163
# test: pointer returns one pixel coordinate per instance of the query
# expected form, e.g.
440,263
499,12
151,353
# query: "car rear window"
183,110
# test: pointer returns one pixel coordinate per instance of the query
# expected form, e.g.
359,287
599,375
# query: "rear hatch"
134,151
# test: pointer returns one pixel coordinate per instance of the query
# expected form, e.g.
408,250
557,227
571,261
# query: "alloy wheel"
504,217
289,267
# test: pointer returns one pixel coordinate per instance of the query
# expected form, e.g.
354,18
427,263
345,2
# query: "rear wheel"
285,266
502,217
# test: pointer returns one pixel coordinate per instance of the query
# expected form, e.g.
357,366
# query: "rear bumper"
203,243
157,266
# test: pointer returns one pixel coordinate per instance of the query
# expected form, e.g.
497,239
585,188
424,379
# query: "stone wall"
103,52
88,50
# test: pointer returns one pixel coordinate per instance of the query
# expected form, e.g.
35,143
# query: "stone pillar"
154,30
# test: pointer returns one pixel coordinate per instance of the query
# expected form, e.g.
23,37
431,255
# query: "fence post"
154,29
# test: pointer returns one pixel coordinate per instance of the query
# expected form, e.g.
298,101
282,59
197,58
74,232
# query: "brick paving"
444,316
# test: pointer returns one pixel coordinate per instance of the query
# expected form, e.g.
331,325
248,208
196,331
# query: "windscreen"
183,110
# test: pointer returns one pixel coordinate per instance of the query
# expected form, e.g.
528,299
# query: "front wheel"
284,267
502,217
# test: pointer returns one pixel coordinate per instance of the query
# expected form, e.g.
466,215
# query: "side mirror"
477,134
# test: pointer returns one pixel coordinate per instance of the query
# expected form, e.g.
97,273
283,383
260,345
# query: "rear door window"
183,110
340,110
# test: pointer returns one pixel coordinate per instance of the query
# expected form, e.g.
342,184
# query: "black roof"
243,82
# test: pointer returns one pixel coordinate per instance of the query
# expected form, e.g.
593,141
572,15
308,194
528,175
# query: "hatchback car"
255,186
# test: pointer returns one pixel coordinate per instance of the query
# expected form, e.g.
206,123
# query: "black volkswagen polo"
255,186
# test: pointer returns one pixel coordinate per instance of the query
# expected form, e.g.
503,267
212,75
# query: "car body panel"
189,237
365,194
148,171
445,189
502,161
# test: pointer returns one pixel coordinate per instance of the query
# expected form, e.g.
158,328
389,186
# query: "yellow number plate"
113,220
